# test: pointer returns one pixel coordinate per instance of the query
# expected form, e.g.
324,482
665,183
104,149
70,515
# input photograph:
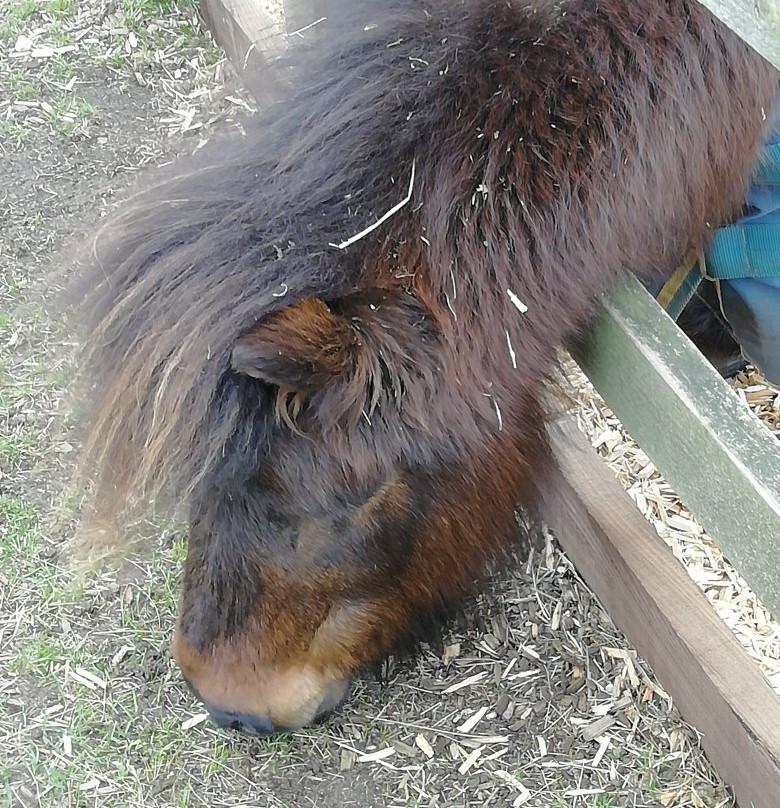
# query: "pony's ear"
300,347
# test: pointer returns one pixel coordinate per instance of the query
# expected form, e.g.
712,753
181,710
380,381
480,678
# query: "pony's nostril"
246,723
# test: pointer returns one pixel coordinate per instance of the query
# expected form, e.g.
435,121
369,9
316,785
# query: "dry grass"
537,699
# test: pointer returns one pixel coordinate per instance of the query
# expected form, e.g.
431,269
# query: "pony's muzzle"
245,723
263,726
289,703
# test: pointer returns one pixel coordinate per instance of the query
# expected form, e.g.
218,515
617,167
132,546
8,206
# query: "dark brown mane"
517,175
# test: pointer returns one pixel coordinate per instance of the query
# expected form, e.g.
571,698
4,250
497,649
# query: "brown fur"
351,428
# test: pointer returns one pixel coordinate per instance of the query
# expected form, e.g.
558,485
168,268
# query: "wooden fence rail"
756,21
705,441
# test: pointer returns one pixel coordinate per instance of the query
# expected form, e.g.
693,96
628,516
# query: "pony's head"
362,521
346,471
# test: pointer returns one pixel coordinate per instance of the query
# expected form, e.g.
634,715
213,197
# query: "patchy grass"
85,674
42,42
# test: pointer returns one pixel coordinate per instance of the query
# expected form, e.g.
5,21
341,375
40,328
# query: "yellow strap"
672,286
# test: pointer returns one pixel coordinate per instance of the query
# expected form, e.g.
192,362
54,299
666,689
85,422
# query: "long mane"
546,143
221,239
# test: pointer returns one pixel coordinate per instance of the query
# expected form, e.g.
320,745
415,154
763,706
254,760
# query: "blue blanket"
744,260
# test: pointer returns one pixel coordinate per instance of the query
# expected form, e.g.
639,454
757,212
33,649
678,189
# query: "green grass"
14,133
155,8
61,8
21,448
56,34
166,40
39,656
649,764
20,536
91,721
15,19
60,68
53,623
24,9
21,15
22,87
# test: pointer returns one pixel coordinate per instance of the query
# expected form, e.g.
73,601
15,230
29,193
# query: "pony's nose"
246,723
271,701
262,726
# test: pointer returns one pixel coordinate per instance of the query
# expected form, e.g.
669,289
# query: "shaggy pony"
328,340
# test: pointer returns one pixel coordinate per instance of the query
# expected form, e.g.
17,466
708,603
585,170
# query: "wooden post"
252,34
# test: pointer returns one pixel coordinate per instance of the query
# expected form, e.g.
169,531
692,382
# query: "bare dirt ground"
536,699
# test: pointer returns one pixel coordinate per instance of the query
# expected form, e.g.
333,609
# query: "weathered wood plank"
713,682
251,33
712,450
756,21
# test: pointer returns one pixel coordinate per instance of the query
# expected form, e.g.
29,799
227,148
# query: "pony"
327,344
